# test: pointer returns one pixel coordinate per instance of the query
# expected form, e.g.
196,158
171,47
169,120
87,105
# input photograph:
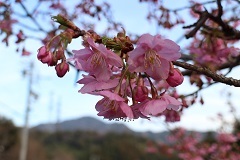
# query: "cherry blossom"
112,106
156,106
44,55
91,84
153,55
62,68
97,60
175,78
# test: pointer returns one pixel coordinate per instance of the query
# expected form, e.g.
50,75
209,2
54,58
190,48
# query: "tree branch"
216,77
203,18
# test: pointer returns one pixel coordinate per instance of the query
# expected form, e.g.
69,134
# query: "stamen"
110,104
98,60
151,58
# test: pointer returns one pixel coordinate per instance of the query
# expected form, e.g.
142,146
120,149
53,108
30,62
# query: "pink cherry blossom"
137,113
153,55
153,107
44,55
91,84
171,116
97,60
158,105
172,103
62,68
112,106
226,138
140,93
229,51
175,78
214,53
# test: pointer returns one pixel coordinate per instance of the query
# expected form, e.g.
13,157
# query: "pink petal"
127,110
172,102
91,84
111,95
82,53
159,72
100,106
111,57
169,50
146,40
154,107
136,58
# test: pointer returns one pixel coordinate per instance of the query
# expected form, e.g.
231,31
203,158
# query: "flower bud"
44,56
140,93
62,68
175,78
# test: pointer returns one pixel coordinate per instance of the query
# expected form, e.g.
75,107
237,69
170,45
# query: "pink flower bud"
62,69
140,93
44,56
175,78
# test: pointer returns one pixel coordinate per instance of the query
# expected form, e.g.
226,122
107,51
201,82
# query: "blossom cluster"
128,78
193,146
53,52
212,52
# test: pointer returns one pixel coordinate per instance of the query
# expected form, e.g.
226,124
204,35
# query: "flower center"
110,104
151,59
98,60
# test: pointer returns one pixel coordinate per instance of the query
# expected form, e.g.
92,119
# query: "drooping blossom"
175,78
158,105
62,68
112,106
140,91
153,55
44,55
172,103
137,113
97,60
91,84
171,115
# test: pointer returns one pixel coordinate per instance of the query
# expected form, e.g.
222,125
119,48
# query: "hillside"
84,124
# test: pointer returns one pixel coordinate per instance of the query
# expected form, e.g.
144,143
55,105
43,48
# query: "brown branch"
198,24
220,8
31,17
216,77
229,33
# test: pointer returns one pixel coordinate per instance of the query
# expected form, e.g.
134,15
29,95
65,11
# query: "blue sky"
62,94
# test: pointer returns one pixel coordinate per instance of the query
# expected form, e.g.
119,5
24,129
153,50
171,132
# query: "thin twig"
31,17
216,77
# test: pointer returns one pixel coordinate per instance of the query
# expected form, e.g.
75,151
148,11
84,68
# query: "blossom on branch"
97,60
91,84
156,106
118,72
153,55
112,106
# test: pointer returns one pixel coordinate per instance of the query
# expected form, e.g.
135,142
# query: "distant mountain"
84,124
94,125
